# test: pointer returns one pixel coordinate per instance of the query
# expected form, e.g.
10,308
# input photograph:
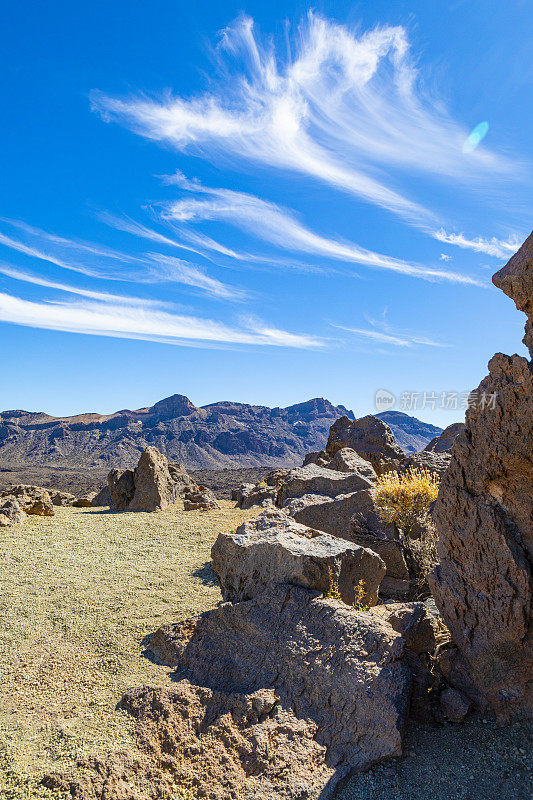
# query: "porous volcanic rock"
319,457
484,514
199,499
348,460
154,486
11,512
370,437
274,549
258,495
33,500
434,462
327,662
62,498
444,442
313,479
102,498
121,488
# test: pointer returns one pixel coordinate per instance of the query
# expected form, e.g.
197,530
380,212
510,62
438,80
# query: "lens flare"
477,135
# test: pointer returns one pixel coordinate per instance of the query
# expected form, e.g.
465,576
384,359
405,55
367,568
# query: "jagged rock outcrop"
11,512
484,513
434,462
444,442
370,437
347,460
411,433
313,479
273,549
151,486
327,662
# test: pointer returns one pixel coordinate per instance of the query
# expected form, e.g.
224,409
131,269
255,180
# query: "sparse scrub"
405,501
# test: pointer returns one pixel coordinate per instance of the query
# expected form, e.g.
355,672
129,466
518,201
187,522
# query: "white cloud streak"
36,280
281,228
499,248
176,270
134,322
398,340
346,108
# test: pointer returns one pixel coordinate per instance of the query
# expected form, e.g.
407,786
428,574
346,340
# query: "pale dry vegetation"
78,594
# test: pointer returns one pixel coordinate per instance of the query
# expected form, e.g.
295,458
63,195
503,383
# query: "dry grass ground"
78,594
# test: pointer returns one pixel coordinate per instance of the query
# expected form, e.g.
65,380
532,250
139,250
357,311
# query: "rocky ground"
82,481
79,592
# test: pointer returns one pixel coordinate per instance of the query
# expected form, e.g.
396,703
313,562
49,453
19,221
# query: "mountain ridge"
225,434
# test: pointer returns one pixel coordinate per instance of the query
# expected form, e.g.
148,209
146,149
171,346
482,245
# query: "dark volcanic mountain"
217,436
411,433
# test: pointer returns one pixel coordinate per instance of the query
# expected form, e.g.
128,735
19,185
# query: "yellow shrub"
404,499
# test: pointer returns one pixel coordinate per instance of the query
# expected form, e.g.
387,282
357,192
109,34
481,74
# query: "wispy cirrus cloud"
344,107
397,340
499,248
150,267
130,321
281,227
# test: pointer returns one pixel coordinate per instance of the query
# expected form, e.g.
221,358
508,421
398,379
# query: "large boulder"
370,437
151,486
11,512
313,479
102,498
325,661
273,549
444,442
348,460
484,513
121,488
33,500
60,498
431,461
154,486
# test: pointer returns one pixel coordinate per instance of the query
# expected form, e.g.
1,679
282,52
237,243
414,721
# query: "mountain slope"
224,434
411,433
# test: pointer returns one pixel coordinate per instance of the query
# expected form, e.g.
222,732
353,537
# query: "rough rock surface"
370,437
444,442
319,457
121,488
347,460
151,486
32,499
419,624
62,498
434,462
331,515
455,704
102,498
274,549
11,512
154,487
333,665
258,495
199,499
313,479
484,514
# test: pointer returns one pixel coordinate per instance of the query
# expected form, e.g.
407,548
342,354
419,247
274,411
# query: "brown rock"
121,488
199,499
154,486
484,513
455,704
348,460
320,457
33,500
444,442
516,280
370,437
102,498
435,462
11,512
325,661
274,549
313,479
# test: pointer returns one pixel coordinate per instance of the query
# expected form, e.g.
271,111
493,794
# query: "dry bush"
405,501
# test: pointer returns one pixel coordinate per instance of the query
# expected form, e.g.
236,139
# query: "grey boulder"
274,549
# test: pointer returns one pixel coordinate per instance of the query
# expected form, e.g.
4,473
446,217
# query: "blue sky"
259,202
